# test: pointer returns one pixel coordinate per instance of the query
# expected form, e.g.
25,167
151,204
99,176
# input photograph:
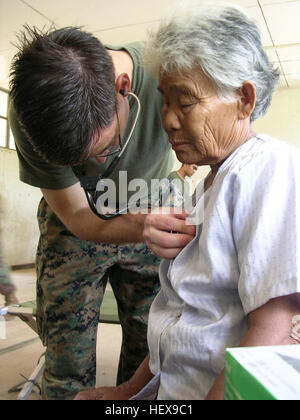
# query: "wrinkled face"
202,129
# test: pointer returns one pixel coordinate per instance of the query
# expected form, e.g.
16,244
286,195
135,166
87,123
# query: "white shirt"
246,252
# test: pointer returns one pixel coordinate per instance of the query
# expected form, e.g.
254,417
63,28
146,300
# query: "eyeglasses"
112,150
89,183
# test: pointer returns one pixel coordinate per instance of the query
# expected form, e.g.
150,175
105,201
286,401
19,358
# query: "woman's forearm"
142,377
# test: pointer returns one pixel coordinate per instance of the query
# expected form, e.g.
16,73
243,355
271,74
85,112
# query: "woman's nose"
170,119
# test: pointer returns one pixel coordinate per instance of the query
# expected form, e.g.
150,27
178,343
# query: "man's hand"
167,232
71,207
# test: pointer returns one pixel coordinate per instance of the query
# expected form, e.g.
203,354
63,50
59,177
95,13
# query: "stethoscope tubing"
112,167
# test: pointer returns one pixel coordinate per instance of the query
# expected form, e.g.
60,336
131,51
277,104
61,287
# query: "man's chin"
101,160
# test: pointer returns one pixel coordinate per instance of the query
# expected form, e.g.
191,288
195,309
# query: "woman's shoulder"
258,163
260,152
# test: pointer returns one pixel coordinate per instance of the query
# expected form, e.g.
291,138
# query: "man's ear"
123,83
246,100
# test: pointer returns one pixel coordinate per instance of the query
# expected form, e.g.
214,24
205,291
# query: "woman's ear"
246,100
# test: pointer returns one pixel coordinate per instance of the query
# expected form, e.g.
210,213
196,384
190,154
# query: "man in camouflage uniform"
78,253
74,307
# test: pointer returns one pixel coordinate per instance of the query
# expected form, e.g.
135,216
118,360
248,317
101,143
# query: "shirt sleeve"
266,227
33,169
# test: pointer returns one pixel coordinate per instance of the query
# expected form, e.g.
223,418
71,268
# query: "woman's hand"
121,392
124,391
167,232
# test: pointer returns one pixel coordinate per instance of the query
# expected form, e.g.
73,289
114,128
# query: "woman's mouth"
178,146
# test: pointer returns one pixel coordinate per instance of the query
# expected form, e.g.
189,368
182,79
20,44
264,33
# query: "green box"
263,373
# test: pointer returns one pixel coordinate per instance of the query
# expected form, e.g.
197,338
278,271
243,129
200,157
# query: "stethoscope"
90,183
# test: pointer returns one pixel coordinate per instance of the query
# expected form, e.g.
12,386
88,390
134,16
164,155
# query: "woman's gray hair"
220,40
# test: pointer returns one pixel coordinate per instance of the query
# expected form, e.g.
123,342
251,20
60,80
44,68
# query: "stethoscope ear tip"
123,93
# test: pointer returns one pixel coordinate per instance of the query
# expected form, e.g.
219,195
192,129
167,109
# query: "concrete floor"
21,349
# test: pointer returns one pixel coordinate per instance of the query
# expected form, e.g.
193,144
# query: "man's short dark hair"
62,87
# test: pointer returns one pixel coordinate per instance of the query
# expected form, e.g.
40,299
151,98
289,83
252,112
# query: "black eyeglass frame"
103,154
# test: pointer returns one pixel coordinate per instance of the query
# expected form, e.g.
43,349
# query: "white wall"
18,203
283,119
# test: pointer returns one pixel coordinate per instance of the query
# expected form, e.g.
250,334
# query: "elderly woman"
237,282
